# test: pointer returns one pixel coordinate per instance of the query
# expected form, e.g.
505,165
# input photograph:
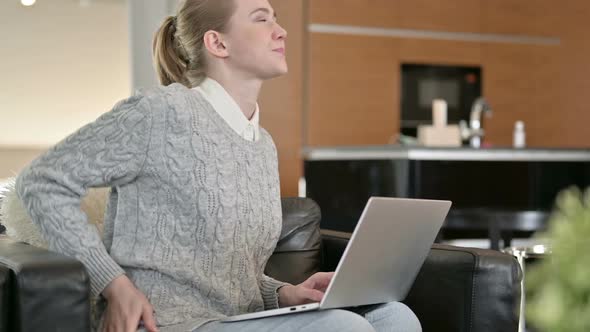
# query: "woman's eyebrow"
262,9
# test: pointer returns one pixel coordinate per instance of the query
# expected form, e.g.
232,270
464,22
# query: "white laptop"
385,253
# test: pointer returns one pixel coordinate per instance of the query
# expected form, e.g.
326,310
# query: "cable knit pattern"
194,213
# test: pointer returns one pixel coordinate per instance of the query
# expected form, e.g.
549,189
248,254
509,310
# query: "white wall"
62,65
145,17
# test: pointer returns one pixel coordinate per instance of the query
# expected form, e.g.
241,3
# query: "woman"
194,212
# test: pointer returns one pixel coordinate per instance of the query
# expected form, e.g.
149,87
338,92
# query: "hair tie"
174,21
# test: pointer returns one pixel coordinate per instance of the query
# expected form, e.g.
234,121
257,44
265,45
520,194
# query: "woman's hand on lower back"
127,307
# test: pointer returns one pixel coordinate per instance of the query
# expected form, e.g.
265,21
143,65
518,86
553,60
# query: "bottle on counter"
519,137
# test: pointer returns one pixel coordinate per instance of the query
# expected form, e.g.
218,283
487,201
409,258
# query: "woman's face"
255,42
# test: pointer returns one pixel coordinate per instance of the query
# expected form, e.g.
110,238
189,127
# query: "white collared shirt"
229,110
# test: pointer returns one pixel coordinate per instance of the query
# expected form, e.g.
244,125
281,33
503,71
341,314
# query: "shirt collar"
229,110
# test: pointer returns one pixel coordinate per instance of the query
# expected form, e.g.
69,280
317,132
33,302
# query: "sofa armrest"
467,289
46,291
4,297
457,289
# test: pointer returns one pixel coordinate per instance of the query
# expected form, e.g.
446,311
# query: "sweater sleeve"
269,288
107,152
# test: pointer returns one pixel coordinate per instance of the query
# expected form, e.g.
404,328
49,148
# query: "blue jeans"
393,316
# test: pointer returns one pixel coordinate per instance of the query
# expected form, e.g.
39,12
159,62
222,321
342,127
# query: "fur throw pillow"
20,227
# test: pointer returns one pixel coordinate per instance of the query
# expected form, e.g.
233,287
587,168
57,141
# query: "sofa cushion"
297,255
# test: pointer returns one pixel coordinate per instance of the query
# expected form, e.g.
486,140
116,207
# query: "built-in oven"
422,83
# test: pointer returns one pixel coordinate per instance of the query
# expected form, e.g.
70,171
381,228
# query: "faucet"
475,130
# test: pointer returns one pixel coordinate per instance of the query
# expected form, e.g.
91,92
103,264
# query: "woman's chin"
276,73
283,69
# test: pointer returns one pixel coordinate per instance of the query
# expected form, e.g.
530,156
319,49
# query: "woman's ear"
215,44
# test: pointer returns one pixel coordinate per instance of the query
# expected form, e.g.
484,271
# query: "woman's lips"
280,50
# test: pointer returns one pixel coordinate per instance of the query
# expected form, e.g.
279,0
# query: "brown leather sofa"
457,289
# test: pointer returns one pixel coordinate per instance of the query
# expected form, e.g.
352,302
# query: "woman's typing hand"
126,307
309,291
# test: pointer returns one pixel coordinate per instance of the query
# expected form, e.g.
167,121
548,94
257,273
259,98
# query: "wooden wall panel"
281,99
352,90
438,52
574,60
522,82
380,13
545,86
449,15
355,84
538,17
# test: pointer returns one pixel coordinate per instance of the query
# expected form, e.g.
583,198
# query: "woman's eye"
261,20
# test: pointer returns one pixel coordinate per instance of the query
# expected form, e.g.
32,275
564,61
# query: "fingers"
328,274
131,323
313,295
127,308
124,325
129,319
323,276
323,288
319,280
149,322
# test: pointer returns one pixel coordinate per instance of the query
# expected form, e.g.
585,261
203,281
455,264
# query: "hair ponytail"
171,66
178,47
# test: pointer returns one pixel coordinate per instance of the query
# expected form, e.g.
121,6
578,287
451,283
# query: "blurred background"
355,115
354,66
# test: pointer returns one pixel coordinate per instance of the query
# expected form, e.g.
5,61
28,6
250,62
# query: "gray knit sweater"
194,212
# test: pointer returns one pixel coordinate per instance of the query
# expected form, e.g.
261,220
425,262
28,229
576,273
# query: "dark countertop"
385,152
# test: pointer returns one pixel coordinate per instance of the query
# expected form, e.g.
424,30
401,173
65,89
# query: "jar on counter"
519,136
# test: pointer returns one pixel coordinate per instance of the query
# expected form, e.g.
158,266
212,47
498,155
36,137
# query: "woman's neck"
244,92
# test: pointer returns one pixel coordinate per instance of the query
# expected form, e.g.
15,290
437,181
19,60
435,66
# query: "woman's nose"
279,32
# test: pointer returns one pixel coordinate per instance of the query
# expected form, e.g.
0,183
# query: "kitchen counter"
501,180
388,152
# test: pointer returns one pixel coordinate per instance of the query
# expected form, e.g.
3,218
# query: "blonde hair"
178,47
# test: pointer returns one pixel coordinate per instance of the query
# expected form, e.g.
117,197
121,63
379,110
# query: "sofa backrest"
296,256
298,252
